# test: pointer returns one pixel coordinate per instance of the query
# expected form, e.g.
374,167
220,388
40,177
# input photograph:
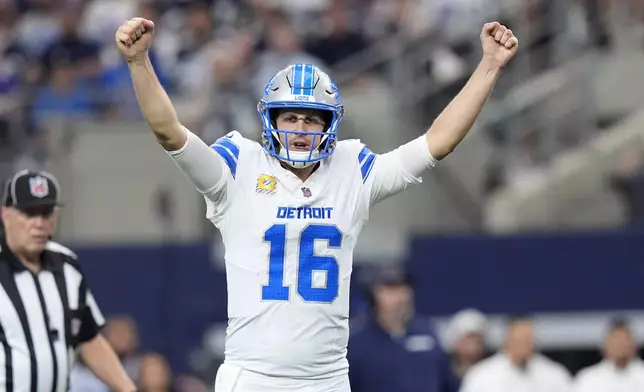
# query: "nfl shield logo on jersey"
38,187
266,184
306,192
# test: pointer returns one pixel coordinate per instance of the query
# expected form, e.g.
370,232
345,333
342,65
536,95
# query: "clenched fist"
499,44
134,37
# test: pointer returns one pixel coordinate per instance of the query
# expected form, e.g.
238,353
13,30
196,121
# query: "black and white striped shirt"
44,317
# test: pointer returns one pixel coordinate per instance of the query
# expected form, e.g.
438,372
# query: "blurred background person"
627,180
621,369
81,379
466,340
518,367
121,333
397,349
282,46
155,374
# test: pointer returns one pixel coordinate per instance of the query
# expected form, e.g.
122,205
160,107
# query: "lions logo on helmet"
336,92
269,87
302,86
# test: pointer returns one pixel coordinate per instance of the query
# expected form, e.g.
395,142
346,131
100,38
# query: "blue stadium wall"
175,292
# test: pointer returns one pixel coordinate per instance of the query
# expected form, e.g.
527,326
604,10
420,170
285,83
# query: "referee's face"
29,229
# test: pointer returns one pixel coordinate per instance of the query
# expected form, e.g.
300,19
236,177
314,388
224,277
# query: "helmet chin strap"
300,156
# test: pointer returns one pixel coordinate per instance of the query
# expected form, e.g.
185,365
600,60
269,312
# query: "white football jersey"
289,250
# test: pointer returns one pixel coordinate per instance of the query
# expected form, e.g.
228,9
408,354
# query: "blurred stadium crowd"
58,58
394,347
150,370
58,62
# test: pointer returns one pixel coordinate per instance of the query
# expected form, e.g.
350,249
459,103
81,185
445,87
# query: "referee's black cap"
28,188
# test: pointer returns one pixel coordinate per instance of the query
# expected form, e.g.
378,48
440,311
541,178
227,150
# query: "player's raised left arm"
392,172
448,130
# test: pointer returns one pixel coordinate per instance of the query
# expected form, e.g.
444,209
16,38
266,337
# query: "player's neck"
304,173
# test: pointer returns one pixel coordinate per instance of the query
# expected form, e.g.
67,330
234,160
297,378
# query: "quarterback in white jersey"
290,209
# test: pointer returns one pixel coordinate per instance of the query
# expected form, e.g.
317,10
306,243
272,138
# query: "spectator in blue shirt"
65,95
397,350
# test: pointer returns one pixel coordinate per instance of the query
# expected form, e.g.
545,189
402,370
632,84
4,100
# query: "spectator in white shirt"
620,371
466,340
518,368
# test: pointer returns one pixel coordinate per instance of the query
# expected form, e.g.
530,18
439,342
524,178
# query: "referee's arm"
97,353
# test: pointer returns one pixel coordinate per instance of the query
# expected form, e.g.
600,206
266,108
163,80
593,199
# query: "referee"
47,311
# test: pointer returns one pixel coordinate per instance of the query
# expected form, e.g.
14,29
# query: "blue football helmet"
300,86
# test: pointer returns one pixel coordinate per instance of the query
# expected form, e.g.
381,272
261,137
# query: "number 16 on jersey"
308,262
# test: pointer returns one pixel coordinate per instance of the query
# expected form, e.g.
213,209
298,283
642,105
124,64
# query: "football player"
290,209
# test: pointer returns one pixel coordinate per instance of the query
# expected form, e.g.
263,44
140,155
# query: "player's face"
29,229
301,120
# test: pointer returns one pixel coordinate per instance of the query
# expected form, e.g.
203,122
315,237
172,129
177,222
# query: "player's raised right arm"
133,40
198,162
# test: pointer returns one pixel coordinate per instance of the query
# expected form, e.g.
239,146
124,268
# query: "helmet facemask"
321,145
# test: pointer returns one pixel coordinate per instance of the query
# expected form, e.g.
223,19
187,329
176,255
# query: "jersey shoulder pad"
354,152
231,146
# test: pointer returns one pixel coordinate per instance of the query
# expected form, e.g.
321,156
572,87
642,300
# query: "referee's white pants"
236,379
